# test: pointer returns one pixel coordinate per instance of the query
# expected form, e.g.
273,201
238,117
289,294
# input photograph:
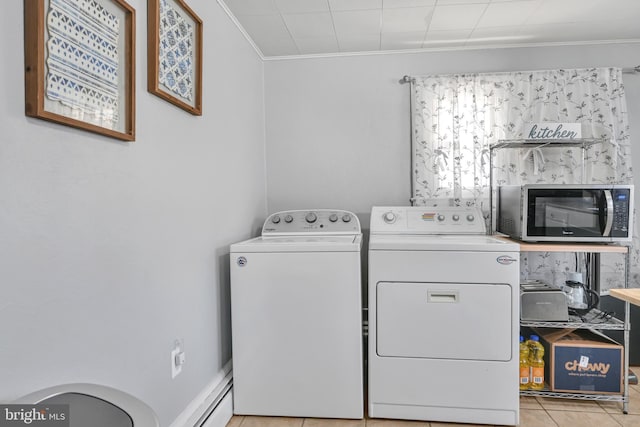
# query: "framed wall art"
175,54
80,64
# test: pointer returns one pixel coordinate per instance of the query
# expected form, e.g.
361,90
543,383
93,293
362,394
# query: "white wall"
110,250
338,129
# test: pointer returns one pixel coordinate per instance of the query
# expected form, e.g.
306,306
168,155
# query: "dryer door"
464,321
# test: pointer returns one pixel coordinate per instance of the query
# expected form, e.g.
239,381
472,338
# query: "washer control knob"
346,218
440,217
389,217
470,218
455,217
333,217
288,218
275,219
311,217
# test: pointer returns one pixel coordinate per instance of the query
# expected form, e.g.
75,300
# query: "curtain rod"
632,70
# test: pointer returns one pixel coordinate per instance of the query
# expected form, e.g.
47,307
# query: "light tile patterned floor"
534,412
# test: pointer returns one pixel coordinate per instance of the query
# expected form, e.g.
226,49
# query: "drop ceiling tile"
453,35
406,40
309,24
495,32
311,45
277,47
261,27
567,32
453,38
508,35
406,19
581,31
355,4
554,12
430,23
359,42
617,9
298,6
252,7
391,4
456,17
511,13
357,21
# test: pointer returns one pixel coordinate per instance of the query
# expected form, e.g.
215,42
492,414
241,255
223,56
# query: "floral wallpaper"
456,118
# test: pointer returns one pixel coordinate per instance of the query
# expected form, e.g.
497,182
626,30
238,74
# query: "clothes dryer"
296,313
443,318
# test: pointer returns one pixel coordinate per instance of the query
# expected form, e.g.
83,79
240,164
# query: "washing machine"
296,311
443,318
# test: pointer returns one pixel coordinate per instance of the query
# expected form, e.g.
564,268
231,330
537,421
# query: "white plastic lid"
574,276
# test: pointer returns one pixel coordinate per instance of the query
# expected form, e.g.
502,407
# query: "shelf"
581,396
629,295
572,247
595,319
567,247
529,143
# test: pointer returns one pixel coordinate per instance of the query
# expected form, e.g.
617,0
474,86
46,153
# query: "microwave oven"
566,212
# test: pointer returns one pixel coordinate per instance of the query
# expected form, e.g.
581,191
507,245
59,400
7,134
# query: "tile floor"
534,412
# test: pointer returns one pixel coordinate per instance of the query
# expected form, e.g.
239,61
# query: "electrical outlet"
177,358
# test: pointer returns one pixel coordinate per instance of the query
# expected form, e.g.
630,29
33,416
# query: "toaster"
541,302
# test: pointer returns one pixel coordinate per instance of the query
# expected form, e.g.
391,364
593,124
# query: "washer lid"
312,243
441,243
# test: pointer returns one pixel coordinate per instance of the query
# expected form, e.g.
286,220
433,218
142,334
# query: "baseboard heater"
215,398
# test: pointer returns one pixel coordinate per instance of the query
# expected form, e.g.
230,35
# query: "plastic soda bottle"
536,363
524,364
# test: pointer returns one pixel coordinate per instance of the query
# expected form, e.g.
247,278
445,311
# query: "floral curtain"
456,118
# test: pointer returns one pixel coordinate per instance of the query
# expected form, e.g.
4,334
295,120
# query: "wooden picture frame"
79,73
174,61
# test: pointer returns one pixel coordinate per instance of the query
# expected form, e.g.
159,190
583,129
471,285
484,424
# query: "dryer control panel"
427,220
316,221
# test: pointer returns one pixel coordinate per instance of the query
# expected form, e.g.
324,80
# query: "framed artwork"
80,64
175,54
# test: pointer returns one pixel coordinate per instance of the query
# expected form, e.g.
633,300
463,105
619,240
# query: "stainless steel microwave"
566,212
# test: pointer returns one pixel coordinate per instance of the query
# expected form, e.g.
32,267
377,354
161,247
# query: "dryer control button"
311,217
275,219
346,218
333,217
440,217
288,218
470,218
456,217
389,217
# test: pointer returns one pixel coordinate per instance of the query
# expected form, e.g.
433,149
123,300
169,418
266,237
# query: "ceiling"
310,27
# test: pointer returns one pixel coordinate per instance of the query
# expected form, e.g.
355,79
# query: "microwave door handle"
608,214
